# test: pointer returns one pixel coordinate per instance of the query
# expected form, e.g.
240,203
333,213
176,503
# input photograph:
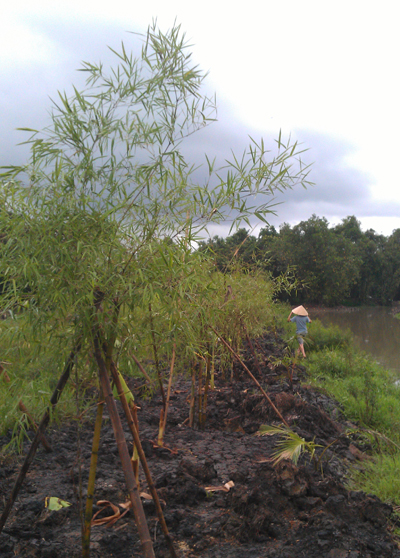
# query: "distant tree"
332,264
325,264
227,252
350,228
389,287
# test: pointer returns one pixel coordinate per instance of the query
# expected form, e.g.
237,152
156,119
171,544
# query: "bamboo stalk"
142,370
92,478
251,376
161,429
192,397
130,480
253,351
212,379
156,358
200,400
171,372
207,384
135,465
164,412
34,426
135,433
41,428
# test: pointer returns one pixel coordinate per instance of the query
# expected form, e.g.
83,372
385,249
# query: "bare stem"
135,433
156,358
92,478
140,518
192,397
171,372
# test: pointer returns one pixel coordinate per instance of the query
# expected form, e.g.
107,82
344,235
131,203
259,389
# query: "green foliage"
35,365
107,204
186,322
98,227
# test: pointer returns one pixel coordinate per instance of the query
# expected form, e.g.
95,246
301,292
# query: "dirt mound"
276,512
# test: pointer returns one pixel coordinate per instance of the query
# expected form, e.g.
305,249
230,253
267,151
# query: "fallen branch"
251,376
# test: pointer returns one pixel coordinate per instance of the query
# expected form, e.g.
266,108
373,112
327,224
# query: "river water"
375,330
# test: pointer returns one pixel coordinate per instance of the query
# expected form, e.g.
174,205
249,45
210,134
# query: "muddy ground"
285,511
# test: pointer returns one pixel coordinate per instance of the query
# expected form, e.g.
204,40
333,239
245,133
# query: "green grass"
321,338
366,390
370,398
380,477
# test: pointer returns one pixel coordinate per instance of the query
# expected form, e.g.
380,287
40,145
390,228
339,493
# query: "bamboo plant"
102,217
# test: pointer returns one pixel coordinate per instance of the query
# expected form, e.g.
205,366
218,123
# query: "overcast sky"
325,72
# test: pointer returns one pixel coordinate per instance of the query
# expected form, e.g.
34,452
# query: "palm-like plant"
290,444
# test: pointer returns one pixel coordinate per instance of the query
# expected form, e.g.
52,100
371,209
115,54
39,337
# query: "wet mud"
283,511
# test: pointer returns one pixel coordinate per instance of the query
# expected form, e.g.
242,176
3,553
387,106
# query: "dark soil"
285,511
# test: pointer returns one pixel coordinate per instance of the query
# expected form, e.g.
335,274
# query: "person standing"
301,319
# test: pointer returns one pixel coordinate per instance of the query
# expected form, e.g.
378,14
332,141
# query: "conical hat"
300,311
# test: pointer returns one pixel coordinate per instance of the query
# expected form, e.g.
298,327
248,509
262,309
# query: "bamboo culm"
92,478
133,428
137,507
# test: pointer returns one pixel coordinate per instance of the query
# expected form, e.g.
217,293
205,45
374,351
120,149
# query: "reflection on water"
375,331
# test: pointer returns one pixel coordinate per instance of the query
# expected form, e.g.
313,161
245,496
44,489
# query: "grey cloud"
26,91
24,102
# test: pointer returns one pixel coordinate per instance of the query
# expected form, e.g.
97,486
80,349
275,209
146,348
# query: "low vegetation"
369,396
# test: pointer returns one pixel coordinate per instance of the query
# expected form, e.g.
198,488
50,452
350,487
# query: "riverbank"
287,511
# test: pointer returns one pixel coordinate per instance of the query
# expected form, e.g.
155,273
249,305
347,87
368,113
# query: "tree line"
332,264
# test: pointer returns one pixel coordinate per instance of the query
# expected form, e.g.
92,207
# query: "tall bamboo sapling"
107,186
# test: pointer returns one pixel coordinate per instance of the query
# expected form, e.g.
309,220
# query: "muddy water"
375,330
